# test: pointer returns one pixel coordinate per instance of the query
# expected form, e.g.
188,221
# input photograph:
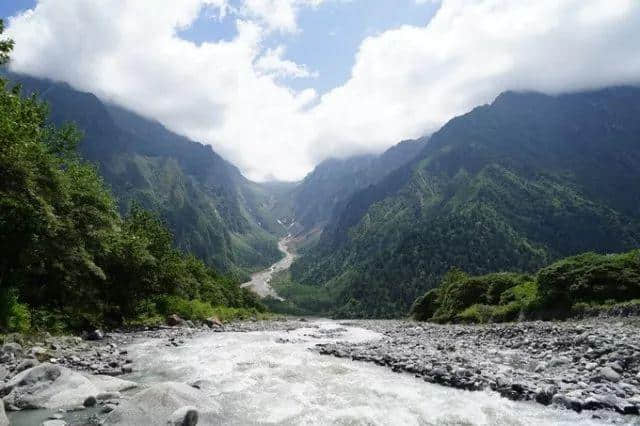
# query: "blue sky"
328,39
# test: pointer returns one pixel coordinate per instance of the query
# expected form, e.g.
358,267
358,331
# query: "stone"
26,364
185,416
608,373
158,403
540,367
54,423
108,395
39,353
174,320
53,386
90,401
12,348
95,335
213,322
545,395
567,402
4,421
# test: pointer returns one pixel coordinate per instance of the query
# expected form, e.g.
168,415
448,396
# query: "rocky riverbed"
583,365
207,372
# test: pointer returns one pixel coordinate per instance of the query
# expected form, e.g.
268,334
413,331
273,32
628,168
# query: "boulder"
52,386
608,373
95,335
213,322
12,348
4,421
39,353
174,320
163,403
185,416
26,364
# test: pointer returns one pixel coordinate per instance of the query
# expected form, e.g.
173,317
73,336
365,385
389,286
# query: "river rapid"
271,377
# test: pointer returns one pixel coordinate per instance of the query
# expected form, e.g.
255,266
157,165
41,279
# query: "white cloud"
272,63
405,82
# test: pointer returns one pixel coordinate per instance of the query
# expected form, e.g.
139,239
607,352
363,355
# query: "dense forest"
212,210
511,186
585,284
68,258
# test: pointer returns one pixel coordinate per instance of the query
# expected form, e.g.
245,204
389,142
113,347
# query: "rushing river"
258,379
260,280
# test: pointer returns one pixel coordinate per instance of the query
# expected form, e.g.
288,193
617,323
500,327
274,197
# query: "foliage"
583,285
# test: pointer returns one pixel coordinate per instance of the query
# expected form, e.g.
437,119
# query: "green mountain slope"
509,186
213,211
326,189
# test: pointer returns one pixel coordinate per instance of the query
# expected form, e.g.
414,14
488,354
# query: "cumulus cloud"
405,82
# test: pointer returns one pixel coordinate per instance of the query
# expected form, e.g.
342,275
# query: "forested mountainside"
213,211
511,186
326,189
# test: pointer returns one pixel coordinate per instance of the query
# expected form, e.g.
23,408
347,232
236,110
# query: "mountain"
326,189
512,186
212,210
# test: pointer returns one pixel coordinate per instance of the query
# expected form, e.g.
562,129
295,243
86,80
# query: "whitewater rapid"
272,377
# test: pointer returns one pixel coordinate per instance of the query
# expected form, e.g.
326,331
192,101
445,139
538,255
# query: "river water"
260,280
258,379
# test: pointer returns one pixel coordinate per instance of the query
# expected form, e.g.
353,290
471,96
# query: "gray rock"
4,421
185,416
12,348
39,353
54,423
156,405
567,402
90,401
608,373
95,335
26,364
53,386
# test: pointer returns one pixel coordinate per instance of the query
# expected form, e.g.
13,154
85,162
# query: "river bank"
281,368
579,365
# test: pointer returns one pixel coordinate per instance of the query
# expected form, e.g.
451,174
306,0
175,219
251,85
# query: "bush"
14,316
590,278
477,313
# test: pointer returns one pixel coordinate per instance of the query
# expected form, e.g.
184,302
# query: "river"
260,281
258,379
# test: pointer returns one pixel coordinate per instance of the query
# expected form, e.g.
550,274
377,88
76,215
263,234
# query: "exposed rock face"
166,403
52,386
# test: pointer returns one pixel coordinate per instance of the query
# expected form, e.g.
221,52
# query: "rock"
39,353
185,416
12,348
4,421
54,423
90,401
108,395
213,322
567,402
545,395
540,367
53,386
608,373
26,364
174,320
95,335
3,372
158,403
560,360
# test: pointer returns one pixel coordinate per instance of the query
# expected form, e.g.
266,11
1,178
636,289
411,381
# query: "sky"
277,86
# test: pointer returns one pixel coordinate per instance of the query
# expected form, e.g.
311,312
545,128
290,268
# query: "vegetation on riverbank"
68,259
583,285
